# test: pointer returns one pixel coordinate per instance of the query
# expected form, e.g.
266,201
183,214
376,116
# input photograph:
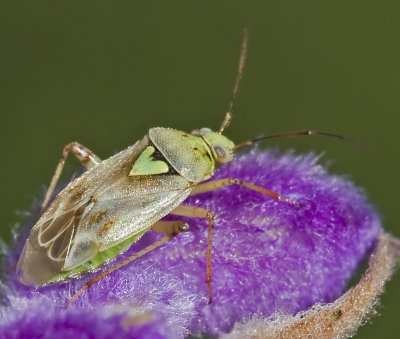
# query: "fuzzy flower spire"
271,260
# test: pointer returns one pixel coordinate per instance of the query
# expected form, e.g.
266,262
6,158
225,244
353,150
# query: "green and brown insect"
103,212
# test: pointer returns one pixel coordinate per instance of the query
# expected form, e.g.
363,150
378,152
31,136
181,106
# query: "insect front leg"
170,228
83,154
198,212
220,183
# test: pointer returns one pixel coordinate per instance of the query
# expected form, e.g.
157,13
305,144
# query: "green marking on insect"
103,212
98,260
147,165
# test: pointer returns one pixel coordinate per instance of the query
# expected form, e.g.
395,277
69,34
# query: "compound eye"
221,154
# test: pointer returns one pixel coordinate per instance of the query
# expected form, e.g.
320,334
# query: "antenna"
242,62
301,133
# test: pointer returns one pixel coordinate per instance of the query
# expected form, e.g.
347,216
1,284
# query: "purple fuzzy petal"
268,256
39,318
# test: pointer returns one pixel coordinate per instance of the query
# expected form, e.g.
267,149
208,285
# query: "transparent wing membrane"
95,212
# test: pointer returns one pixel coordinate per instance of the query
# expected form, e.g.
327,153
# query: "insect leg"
84,155
171,228
220,183
198,212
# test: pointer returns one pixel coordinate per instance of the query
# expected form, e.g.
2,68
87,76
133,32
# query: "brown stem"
339,319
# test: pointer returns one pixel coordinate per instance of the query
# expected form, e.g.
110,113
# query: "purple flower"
269,257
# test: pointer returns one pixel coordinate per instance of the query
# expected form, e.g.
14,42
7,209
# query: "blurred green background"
103,73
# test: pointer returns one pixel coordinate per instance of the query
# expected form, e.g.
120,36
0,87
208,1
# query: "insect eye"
221,154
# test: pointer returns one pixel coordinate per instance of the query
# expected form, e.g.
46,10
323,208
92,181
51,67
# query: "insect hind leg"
170,228
87,158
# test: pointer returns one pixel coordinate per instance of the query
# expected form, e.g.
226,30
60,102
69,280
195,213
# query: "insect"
103,212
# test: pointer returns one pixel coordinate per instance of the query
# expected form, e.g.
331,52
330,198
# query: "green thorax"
195,155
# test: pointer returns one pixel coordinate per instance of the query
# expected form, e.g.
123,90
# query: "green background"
102,73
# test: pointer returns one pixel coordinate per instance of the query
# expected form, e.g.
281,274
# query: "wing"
98,210
51,237
124,210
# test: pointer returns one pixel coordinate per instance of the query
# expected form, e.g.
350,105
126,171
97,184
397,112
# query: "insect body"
111,205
